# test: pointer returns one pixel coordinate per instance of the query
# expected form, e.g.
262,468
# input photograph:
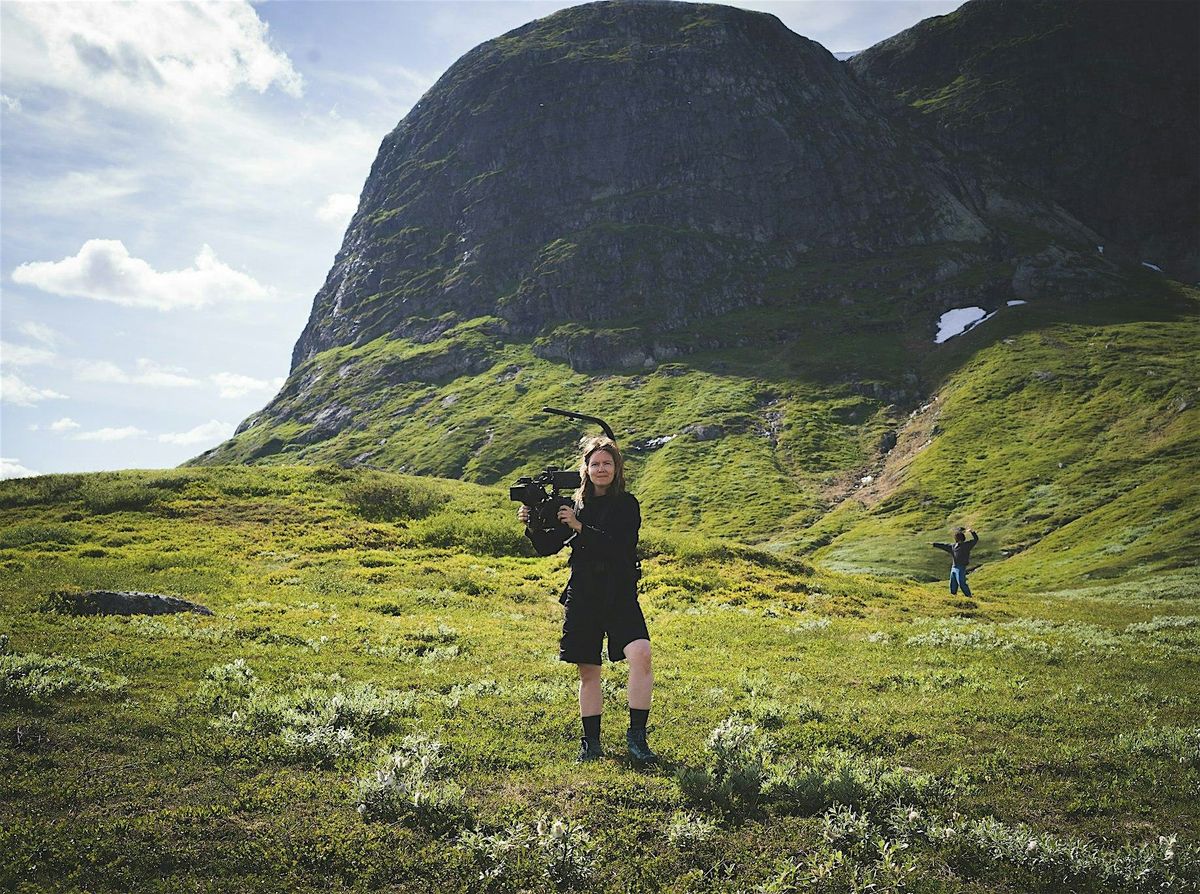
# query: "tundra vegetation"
376,704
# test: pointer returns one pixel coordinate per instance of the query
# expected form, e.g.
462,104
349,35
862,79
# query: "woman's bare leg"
641,674
591,694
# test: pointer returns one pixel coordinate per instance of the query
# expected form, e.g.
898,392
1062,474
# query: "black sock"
638,717
591,726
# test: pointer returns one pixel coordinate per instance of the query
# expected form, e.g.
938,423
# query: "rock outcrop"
118,602
654,163
1093,103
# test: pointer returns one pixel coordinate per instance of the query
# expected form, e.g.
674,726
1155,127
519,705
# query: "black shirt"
605,548
960,549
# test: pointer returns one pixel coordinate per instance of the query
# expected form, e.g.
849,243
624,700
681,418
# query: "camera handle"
596,419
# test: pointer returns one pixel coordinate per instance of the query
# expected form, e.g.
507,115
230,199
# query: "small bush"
386,498
733,777
479,535
1053,863
318,723
829,778
40,490
1165,622
690,828
315,743
106,495
35,533
405,788
35,677
555,850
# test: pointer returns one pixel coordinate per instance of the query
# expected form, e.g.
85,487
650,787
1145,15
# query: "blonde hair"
586,487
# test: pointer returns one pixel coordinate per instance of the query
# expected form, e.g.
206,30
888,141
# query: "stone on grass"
128,602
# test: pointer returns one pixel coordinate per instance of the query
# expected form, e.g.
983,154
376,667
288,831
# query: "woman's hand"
566,515
523,515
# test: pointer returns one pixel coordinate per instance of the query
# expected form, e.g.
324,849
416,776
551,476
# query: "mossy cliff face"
1092,103
653,162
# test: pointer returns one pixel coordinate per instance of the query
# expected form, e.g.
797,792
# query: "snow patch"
1016,302
959,320
1152,266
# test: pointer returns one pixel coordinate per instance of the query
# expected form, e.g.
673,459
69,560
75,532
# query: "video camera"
541,492
544,505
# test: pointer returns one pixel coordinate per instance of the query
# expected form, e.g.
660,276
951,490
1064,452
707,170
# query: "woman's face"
601,469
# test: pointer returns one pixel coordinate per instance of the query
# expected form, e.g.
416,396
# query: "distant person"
601,595
960,550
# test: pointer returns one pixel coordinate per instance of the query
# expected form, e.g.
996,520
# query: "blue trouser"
958,578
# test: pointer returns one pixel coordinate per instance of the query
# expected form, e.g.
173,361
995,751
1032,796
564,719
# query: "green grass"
1075,448
363,615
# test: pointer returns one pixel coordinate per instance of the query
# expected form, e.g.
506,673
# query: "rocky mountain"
702,227
648,163
1095,103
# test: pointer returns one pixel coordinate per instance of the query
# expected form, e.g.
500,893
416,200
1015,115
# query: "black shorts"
590,615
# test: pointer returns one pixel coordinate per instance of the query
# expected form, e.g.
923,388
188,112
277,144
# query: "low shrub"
1053,863
320,722
388,498
554,850
476,534
33,677
829,778
690,828
35,533
732,779
106,495
406,787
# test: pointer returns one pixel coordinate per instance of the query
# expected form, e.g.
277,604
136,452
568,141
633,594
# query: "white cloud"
24,355
12,468
110,434
100,371
209,433
39,332
104,271
148,373
17,392
66,194
338,208
64,424
176,55
10,103
233,385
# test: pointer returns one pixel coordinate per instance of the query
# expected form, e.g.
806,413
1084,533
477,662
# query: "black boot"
639,750
590,750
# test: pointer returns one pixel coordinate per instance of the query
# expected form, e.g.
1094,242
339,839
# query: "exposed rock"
1022,80
720,148
120,602
704,431
887,442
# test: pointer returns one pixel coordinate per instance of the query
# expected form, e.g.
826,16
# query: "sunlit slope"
1065,431
1073,448
366,620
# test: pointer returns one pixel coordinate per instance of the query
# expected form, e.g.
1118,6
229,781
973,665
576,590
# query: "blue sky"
176,180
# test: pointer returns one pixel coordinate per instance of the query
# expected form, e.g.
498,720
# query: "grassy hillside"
1074,448
375,704
1067,431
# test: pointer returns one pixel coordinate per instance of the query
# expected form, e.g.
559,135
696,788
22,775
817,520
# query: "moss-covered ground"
376,704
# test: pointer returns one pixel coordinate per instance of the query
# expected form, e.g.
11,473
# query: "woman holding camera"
601,596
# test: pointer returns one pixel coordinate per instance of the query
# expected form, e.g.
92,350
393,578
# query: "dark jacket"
960,550
604,553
